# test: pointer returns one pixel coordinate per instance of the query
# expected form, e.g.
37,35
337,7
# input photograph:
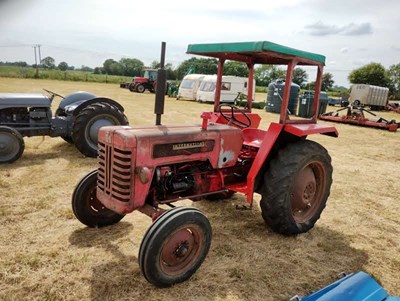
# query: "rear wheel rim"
308,192
92,129
9,146
181,250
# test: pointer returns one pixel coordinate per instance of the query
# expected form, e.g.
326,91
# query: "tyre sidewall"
151,261
18,139
81,208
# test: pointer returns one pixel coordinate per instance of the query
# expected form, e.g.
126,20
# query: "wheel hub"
182,249
306,195
92,132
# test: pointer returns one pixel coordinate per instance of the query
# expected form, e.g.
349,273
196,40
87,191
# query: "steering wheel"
53,94
232,119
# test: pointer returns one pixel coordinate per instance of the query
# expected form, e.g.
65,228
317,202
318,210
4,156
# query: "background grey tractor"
77,120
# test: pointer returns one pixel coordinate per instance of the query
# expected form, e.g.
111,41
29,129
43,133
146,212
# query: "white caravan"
189,86
231,86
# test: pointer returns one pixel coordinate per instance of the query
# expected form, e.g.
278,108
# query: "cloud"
351,29
395,48
344,50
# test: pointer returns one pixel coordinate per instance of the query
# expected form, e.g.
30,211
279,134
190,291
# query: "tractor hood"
140,80
15,100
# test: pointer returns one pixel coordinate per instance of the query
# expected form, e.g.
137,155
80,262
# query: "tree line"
372,74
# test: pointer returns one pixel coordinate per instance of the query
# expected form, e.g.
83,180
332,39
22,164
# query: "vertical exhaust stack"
160,89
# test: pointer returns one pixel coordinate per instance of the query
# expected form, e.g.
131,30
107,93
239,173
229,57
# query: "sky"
350,33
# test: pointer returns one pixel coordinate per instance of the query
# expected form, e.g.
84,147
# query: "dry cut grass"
46,254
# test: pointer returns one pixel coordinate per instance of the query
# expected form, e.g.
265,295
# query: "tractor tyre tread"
278,181
87,114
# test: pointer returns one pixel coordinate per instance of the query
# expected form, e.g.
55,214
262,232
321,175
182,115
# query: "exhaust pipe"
161,85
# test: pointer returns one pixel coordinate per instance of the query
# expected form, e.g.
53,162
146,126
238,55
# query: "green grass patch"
69,75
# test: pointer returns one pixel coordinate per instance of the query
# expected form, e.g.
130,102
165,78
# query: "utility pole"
37,67
40,56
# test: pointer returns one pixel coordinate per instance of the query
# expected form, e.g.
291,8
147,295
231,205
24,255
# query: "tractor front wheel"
175,246
296,187
87,208
140,88
89,121
11,144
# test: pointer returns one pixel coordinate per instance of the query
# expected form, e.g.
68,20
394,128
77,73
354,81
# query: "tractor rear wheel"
175,246
296,187
87,208
89,121
140,88
11,144
68,139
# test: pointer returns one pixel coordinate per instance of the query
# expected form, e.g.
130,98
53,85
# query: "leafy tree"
155,65
327,81
116,69
197,65
393,76
300,76
71,68
370,74
107,66
98,70
48,63
86,68
265,74
63,66
172,74
131,67
236,69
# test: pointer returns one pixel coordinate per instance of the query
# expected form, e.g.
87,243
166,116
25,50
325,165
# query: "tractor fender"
75,97
277,136
78,106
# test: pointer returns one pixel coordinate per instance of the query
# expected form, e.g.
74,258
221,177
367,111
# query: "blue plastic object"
353,287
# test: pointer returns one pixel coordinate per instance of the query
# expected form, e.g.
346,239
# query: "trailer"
230,87
189,86
367,95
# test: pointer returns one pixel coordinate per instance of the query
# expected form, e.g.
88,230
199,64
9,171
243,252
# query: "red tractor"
147,82
141,168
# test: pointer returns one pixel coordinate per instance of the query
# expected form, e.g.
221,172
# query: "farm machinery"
350,287
141,84
394,107
77,120
355,114
149,168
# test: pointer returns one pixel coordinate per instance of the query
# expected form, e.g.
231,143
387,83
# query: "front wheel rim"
181,250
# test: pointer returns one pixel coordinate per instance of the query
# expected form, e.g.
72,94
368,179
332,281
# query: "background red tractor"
141,168
147,82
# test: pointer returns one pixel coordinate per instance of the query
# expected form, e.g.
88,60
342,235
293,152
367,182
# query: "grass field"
46,254
70,75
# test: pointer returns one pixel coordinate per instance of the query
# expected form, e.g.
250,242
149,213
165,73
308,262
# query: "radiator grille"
114,172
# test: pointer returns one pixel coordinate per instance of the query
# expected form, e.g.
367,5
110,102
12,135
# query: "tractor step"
238,187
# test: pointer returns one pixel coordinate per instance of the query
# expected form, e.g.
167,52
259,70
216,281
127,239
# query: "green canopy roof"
261,52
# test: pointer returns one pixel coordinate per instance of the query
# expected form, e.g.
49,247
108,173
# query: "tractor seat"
253,137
